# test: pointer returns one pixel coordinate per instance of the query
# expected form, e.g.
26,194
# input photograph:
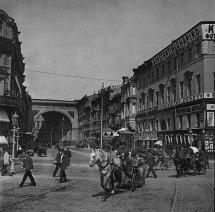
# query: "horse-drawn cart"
122,169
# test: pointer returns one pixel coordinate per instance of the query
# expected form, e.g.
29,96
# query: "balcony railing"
9,101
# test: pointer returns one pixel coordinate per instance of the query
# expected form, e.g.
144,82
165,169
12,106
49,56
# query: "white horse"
107,164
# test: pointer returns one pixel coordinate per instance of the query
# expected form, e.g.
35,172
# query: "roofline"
201,22
46,101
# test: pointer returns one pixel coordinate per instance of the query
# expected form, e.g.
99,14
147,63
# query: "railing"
9,101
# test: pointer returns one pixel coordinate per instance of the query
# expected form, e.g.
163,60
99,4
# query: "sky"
98,40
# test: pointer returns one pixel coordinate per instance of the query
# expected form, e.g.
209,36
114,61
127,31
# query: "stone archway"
52,126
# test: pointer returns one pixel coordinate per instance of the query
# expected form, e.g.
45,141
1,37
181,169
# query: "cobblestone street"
82,191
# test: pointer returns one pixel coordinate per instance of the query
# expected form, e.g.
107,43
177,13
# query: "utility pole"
101,116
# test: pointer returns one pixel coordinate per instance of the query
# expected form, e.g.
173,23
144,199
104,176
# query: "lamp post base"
12,170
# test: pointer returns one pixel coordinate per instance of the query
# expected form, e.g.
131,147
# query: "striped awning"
3,116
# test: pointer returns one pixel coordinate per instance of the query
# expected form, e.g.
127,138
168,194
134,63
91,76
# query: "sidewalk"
11,194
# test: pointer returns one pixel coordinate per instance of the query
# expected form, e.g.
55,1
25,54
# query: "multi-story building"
175,90
105,106
85,120
13,94
128,103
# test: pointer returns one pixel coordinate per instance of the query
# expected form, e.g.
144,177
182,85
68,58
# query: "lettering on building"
189,39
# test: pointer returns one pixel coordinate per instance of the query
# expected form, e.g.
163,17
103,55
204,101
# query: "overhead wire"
72,75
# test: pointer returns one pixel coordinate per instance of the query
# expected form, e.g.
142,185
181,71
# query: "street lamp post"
17,137
15,125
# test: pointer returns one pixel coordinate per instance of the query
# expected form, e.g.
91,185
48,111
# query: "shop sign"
182,100
151,135
190,98
210,106
189,39
189,109
208,31
210,119
209,145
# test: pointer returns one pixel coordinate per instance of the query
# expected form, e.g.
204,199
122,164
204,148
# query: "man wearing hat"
28,165
150,160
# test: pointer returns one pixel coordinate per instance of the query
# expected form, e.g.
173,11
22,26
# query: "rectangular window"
143,102
188,121
174,94
168,67
180,122
214,81
190,54
198,119
169,123
162,96
198,83
181,89
151,99
189,88
198,49
157,98
139,104
133,108
9,32
182,59
168,94
162,70
175,64
157,73
133,91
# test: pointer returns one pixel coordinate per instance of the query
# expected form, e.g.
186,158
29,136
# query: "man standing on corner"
28,165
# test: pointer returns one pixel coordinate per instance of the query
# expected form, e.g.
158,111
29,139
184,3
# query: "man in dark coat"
28,165
150,160
57,163
63,166
69,155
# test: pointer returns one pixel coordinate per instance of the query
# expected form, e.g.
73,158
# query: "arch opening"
52,127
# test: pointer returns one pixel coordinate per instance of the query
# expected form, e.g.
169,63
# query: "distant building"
128,103
13,94
85,120
175,91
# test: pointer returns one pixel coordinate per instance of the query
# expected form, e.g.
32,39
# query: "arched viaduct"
54,121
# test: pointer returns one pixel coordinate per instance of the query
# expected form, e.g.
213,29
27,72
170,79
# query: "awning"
3,116
3,140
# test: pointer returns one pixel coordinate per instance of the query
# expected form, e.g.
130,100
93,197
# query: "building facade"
13,94
175,91
128,103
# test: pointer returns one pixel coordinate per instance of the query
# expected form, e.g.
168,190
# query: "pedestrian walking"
56,162
150,160
28,165
69,155
6,163
63,166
